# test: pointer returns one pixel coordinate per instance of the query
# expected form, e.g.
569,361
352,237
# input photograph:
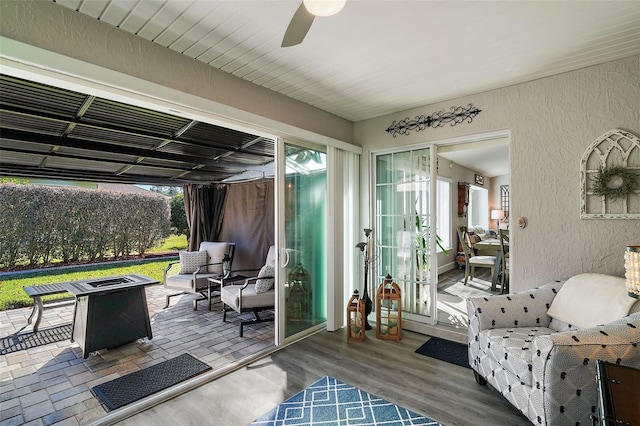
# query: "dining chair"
504,272
471,260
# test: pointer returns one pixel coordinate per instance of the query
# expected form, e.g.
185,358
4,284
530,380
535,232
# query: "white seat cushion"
230,295
512,348
483,260
185,282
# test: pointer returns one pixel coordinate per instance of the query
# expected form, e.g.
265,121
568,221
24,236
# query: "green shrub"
39,223
178,215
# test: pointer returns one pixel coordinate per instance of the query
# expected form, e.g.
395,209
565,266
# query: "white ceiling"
379,57
489,158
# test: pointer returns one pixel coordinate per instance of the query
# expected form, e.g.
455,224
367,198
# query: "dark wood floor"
391,370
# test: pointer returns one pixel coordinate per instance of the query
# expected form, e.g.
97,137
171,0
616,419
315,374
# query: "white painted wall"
552,122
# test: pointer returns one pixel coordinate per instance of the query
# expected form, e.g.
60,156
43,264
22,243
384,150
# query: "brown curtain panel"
249,222
204,208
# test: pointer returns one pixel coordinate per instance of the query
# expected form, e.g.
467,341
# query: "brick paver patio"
51,384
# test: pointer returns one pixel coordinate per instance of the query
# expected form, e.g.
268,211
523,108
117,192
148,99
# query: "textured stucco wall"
61,30
552,122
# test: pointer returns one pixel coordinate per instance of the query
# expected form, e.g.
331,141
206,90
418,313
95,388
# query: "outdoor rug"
140,384
44,336
330,402
445,350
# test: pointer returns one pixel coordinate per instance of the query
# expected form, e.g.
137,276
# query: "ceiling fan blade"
298,27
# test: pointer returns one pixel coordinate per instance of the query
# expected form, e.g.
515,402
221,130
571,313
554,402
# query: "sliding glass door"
303,281
403,200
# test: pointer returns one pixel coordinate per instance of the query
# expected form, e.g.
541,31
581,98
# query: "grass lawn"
13,296
173,243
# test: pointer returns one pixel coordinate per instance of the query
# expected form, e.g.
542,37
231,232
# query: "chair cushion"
184,282
483,260
230,295
216,252
587,300
190,261
512,348
271,256
268,270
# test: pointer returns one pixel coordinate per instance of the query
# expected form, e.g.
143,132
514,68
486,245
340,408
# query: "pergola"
53,133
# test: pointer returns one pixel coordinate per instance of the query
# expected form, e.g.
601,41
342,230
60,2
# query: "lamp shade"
632,270
324,7
497,214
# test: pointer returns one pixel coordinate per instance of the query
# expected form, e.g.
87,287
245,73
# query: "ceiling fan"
304,16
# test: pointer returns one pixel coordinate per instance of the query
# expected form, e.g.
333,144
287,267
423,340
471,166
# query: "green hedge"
42,223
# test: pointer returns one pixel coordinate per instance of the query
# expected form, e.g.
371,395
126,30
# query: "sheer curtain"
204,208
346,266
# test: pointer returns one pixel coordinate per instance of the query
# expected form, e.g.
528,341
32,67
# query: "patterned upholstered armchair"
543,366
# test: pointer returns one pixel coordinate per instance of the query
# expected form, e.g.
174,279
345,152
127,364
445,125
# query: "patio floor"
51,383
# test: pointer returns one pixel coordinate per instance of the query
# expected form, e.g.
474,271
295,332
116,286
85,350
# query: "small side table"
218,282
617,394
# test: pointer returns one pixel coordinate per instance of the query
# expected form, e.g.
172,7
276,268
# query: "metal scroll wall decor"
610,177
456,115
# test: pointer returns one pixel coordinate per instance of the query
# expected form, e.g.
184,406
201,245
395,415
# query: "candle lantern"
355,318
297,303
388,310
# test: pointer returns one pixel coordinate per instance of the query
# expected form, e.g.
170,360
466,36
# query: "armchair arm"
564,366
166,269
170,265
246,283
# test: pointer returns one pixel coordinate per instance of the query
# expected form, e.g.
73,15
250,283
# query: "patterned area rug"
140,384
330,402
44,336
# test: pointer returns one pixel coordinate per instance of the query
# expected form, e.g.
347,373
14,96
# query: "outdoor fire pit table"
110,311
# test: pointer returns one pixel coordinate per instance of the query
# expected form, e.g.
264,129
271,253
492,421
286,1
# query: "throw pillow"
191,260
268,270
587,300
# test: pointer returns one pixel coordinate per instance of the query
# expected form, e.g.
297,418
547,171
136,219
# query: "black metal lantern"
226,265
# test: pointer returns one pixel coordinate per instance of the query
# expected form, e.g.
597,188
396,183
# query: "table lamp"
632,270
497,215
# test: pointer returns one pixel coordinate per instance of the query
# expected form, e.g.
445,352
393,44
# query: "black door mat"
140,384
445,350
44,336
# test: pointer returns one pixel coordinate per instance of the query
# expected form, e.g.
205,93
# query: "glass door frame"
280,237
433,148
431,319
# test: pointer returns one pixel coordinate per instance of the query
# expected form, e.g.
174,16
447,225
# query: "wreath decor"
602,181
